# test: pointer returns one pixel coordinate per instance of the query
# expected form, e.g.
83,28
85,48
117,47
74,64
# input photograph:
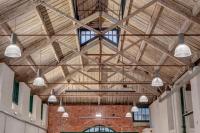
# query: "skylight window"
112,36
85,36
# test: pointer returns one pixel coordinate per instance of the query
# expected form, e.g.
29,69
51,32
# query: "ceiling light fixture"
52,98
13,50
39,81
65,115
182,50
143,99
157,81
98,115
61,108
134,109
128,115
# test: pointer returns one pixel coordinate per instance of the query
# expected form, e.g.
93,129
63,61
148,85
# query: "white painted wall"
45,116
6,87
195,89
36,114
24,99
20,122
161,113
10,124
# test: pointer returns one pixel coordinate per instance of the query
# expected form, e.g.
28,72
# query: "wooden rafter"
196,8
155,43
7,30
179,9
128,6
75,31
71,56
39,44
154,19
129,16
134,61
19,8
67,16
184,28
126,74
90,77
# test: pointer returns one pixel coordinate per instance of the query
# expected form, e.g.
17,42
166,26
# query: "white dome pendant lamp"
61,108
128,114
143,99
134,109
52,98
65,115
157,81
12,50
39,81
182,50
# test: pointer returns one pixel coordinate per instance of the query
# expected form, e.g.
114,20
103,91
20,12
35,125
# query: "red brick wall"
77,124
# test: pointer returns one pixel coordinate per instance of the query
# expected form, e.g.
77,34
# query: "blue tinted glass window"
86,36
99,128
112,36
142,115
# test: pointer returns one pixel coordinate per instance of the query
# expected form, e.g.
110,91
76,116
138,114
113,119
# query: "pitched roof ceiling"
60,20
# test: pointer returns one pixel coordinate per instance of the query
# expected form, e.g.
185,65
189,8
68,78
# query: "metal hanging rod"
101,35
97,83
105,95
109,91
119,65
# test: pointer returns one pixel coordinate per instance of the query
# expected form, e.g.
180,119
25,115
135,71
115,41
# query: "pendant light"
182,50
143,99
61,108
98,114
134,109
12,50
52,98
65,115
157,81
39,81
128,115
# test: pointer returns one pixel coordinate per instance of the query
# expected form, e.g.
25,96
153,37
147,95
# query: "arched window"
99,128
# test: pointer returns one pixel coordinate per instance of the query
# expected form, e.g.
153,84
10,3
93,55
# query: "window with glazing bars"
142,115
85,36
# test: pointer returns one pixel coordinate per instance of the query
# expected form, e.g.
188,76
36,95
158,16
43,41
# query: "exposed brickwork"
77,124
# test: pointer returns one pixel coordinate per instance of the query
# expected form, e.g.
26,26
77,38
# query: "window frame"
141,114
82,36
100,127
15,93
113,35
